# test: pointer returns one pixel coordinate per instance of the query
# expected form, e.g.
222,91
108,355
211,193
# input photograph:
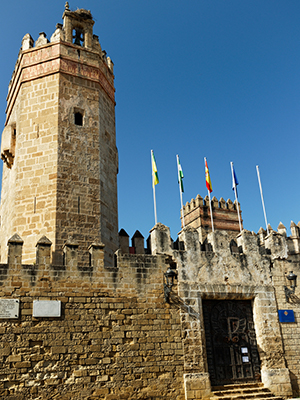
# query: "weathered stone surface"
278,381
160,239
197,386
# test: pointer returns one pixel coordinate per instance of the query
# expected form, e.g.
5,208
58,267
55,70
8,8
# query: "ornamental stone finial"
67,6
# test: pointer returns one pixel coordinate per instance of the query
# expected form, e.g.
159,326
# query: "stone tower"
225,216
59,143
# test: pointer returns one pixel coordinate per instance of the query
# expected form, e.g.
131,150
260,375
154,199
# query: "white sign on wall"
46,308
9,308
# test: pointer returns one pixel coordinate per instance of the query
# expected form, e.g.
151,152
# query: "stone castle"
84,315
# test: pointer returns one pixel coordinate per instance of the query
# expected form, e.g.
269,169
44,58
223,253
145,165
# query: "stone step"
255,396
243,391
238,385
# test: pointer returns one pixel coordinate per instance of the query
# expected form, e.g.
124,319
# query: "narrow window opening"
78,118
234,247
13,141
78,205
205,246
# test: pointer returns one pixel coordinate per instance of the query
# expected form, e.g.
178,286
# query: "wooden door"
230,341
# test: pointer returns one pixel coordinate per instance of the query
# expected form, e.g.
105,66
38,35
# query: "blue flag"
234,180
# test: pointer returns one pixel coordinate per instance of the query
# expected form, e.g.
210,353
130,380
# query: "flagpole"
236,197
262,198
211,215
153,186
154,200
180,191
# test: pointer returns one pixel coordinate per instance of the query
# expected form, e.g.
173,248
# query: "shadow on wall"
295,385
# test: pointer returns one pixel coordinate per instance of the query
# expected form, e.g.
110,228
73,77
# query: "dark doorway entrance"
230,341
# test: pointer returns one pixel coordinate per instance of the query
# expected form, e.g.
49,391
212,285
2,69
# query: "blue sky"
215,78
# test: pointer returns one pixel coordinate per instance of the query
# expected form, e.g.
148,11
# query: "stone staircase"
244,391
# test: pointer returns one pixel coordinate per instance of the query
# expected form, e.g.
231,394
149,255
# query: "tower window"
78,118
78,37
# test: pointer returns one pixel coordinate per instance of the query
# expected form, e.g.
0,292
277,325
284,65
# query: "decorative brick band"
40,62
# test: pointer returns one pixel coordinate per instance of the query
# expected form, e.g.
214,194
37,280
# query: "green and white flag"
180,183
180,175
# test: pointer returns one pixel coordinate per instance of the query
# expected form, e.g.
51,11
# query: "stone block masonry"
110,348
30,186
116,337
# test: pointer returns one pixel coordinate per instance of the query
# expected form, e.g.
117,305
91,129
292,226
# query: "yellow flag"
155,180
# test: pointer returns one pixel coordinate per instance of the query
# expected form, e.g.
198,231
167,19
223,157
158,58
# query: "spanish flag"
207,178
155,180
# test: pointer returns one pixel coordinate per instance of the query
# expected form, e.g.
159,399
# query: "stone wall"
290,331
28,200
257,272
254,269
87,168
116,337
101,347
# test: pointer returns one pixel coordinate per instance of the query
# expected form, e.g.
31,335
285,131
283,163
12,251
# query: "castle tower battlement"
59,142
246,251
225,216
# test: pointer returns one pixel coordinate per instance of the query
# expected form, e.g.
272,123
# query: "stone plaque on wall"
9,308
46,308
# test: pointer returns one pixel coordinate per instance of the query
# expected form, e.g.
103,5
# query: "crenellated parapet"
43,269
246,258
137,243
225,216
275,245
236,256
294,240
132,274
199,202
